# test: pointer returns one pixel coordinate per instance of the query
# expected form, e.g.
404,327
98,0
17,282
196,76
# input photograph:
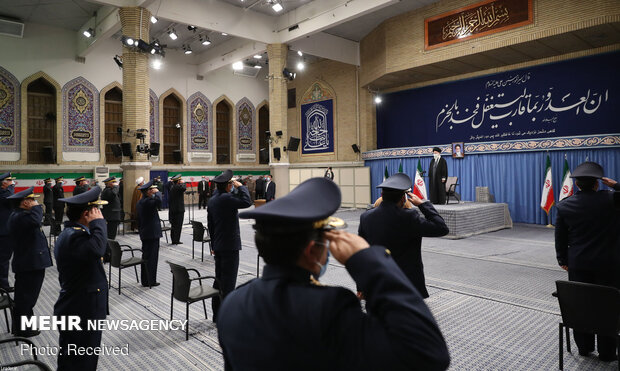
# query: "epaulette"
79,229
314,281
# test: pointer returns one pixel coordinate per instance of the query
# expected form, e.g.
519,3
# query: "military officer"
401,230
112,211
48,201
83,285
287,320
59,206
587,243
81,185
176,211
149,227
223,224
7,188
31,255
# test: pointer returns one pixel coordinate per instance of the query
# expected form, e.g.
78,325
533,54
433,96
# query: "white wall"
53,50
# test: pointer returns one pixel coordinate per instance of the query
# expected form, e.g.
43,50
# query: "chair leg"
192,249
561,349
6,319
172,303
135,268
119,280
110,276
187,321
257,264
568,339
204,306
166,234
202,253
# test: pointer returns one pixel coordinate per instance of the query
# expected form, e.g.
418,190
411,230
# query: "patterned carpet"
490,293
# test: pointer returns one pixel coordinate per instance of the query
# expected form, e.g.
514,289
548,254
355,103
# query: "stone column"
135,22
278,120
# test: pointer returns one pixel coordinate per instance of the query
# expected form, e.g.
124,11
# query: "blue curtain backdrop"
513,178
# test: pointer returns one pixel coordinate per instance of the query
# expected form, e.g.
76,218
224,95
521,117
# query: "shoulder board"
79,229
315,282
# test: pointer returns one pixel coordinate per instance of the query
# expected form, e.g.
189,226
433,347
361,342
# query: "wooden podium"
259,202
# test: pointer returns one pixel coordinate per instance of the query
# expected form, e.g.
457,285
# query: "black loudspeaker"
176,155
356,149
126,149
293,144
154,149
116,150
276,153
263,155
49,154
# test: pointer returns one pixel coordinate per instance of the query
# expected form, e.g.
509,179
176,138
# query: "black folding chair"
165,229
182,291
451,183
200,234
35,362
127,220
6,303
116,261
588,308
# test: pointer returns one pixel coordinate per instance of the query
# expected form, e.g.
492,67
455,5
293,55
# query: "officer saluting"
48,201
83,284
7,188
31,256
59,206
149,227
288,318
81,185
112,211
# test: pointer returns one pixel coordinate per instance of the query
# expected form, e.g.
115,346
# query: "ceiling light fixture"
224,34
276,6
288,74
154,19
191,28
258,56
188,49
299,53
300,66
378,99
237,66
172,33
156,64
89,33
119,61
205,40
128,41
258,66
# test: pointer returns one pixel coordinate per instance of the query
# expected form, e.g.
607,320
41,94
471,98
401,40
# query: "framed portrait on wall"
458,150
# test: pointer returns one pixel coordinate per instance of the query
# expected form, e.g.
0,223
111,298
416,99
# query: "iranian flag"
547,194
567,182
419,188
385,175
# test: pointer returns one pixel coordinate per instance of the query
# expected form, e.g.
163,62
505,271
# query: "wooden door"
113,122
41,122
172,134
222,117
263,140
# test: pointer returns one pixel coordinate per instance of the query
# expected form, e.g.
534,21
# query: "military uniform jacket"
176,200
283,322
80,189
58,193
112,211
223,218
401,231
149,224
587,232
83,284
48,194
5,209
30,251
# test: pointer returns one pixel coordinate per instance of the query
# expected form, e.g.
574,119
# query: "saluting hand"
417,201
609,182
343,245
236,183
92,214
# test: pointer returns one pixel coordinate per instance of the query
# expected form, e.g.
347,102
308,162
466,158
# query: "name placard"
476,20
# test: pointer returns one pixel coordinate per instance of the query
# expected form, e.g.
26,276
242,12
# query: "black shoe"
27,334
155,284
585,353
607,358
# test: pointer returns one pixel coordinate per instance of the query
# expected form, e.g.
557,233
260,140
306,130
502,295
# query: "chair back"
115,253
451,183
5,300
180,282
589,308
198,230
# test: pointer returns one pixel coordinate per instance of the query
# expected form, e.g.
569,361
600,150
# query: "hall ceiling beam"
328,46
228,53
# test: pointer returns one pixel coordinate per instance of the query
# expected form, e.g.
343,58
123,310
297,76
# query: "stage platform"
467,219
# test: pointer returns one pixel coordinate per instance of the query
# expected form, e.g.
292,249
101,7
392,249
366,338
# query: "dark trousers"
72,361
150,253
48,217
59,213
27,288
437,192
176,223
6,250
606,345
226,267
203,199
112,228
